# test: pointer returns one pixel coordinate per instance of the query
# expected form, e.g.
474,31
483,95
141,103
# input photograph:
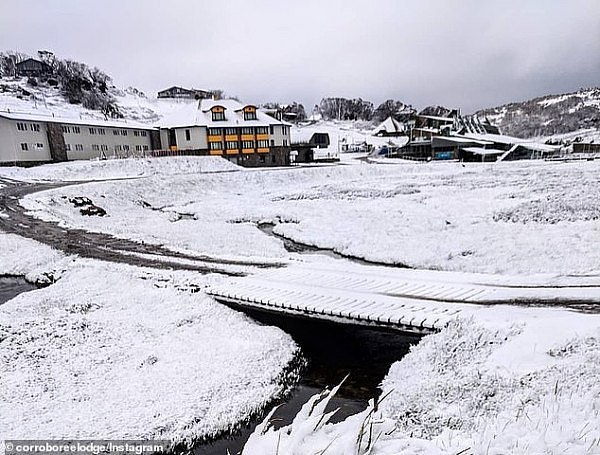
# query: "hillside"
548,115
76,90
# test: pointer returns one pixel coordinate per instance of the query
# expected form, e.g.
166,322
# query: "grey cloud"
467,54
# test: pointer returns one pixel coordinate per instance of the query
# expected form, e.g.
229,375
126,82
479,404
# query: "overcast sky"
466,54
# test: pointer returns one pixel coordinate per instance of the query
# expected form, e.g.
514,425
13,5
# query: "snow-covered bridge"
408,300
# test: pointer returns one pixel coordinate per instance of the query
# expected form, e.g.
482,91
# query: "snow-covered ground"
113,351
505,381
87,170
510,218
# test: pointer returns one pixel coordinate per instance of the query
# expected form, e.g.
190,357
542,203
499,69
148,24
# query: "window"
283,129
35,127
247,144
123,132
136,133
188,135
247,130
230,131
216,145
262,130
101,131
79,147
263,144
126,147
117,148
215,131
22,126
116,132
65,129
271,129
143,133
146,148
67,147
76,130
232,145
95,147
249,115
92,130
104,147
39,146
218,116
138,148
24,146
272,142
285,143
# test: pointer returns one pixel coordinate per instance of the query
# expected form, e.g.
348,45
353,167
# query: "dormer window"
250,113
218,113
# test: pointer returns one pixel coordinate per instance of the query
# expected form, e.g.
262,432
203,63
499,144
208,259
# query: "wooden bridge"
406,300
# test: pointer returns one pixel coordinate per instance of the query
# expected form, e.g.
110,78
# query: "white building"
34,138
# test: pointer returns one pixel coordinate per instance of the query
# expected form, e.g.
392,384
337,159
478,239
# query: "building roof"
434,117
390,126
44,64
33,117
461,140
199,114
483,152
509,140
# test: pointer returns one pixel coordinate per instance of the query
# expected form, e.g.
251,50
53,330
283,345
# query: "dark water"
332,351
11,286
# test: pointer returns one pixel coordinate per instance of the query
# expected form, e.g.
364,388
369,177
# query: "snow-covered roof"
509,140
462,140
304,135
434,117
390,126
484,152
199,114
89,121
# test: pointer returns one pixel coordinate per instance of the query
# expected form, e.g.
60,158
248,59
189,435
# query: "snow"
47,101
199,113
35,261
88,170
506,380
509,218
117,352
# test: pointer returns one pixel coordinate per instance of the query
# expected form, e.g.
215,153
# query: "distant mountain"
547,115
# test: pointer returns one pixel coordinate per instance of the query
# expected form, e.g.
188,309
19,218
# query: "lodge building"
240,133
28,139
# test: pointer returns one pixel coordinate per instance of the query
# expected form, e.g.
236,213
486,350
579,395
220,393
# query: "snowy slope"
118,352
16,95
548,115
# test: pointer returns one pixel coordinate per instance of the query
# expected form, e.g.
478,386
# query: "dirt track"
98,245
